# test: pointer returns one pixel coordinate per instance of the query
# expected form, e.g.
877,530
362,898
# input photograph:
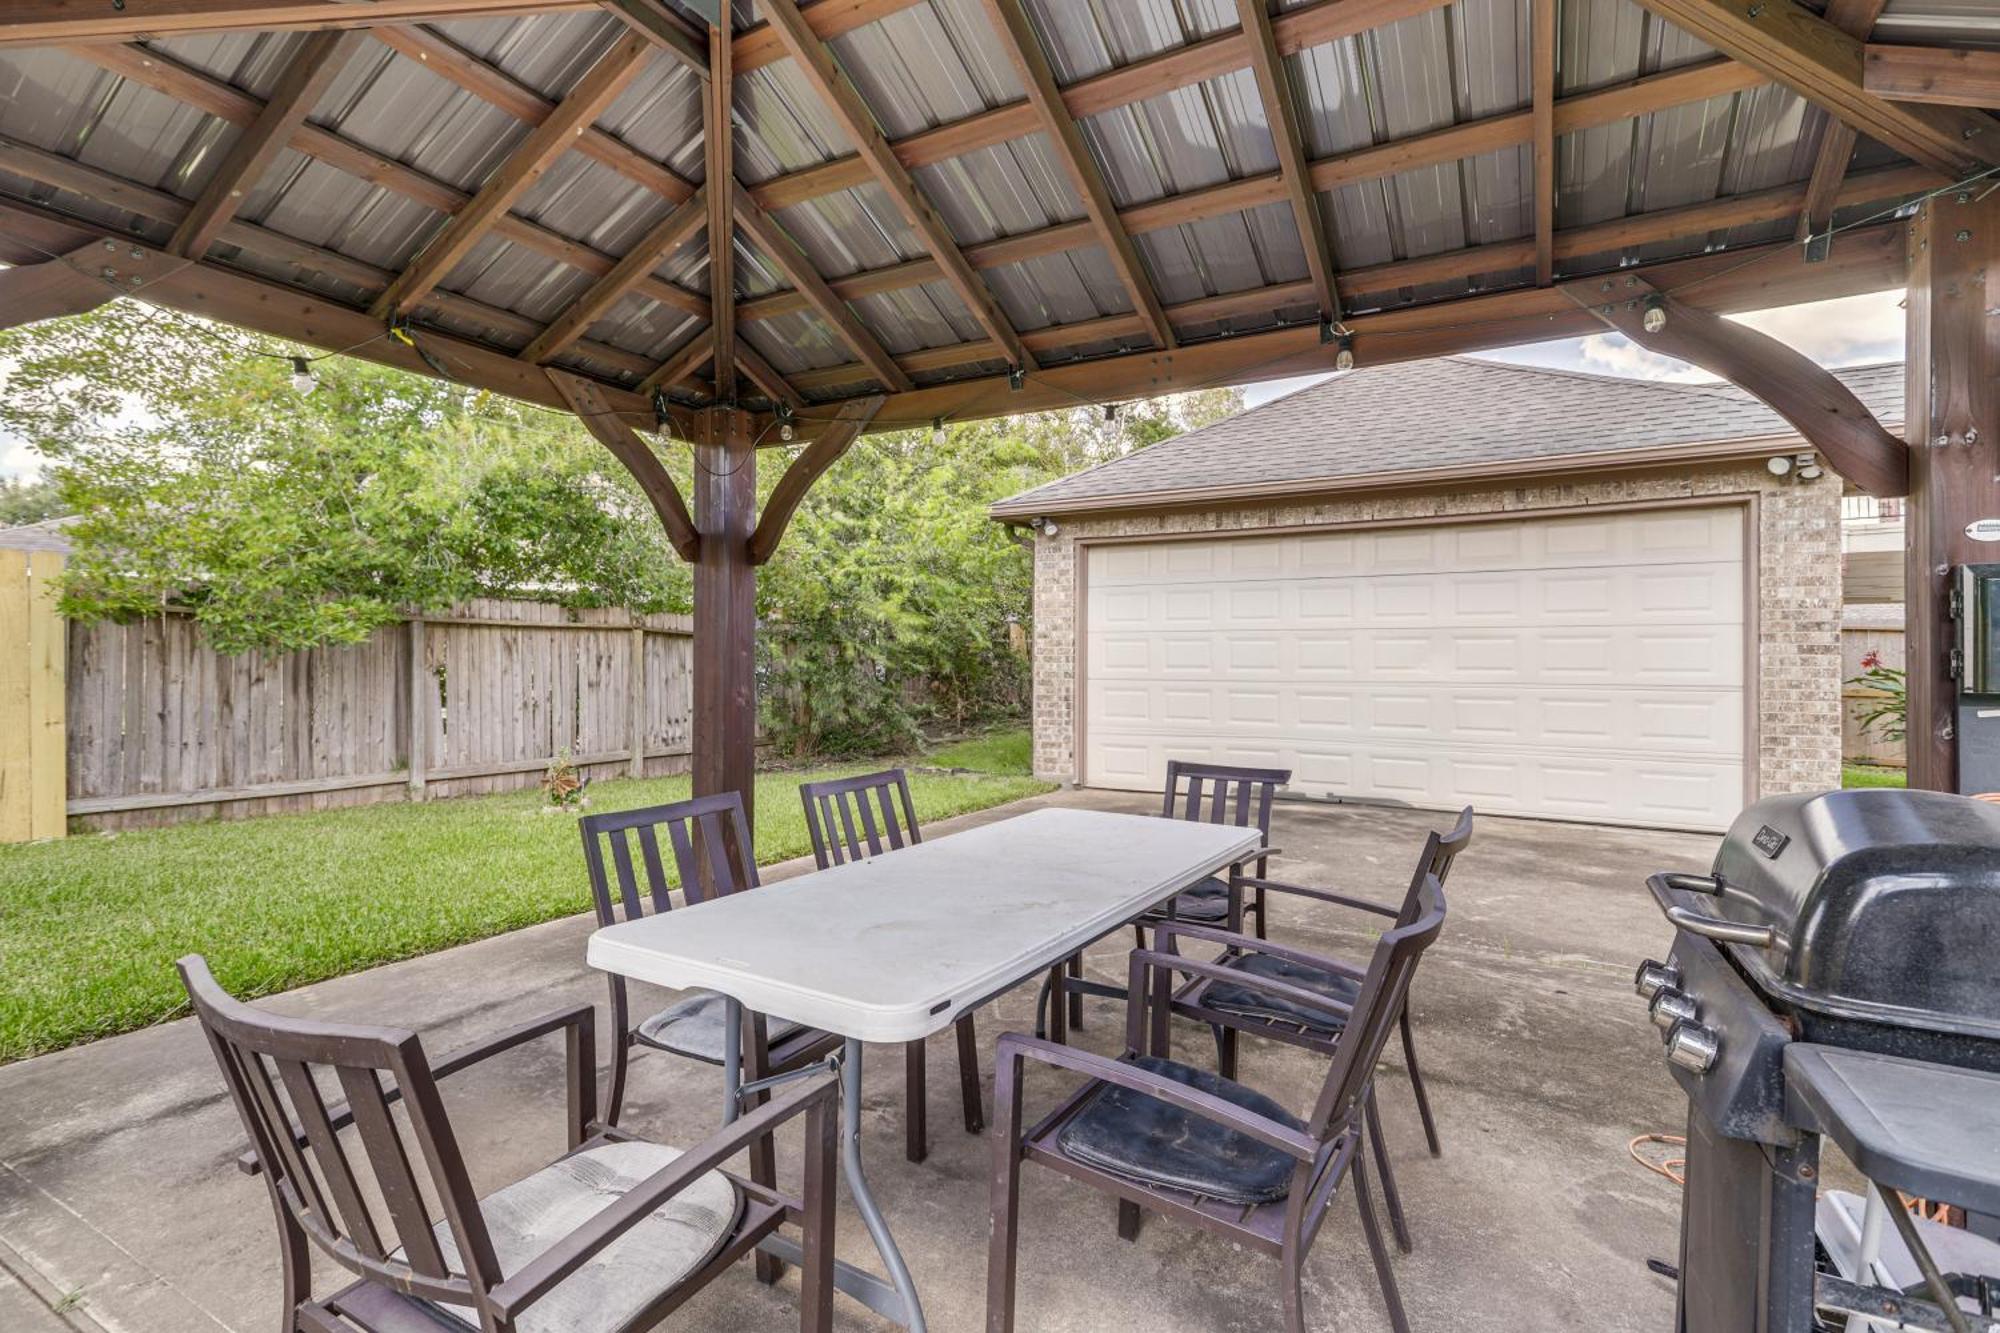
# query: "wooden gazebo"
948,209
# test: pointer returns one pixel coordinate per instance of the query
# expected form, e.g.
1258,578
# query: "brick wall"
1798,551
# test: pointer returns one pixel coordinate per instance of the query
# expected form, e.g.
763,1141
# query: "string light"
303,379
1655,317
1344,358
937,432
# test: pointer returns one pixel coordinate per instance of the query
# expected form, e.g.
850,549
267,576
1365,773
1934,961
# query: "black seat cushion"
1142,1138
1235,999
1206,903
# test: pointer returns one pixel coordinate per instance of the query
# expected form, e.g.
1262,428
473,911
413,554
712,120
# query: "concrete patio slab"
117,1188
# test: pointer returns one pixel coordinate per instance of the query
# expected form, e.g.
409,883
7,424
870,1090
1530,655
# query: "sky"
1852,331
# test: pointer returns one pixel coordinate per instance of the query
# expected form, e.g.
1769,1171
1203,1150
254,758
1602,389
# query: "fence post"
33,660
423,702
637,701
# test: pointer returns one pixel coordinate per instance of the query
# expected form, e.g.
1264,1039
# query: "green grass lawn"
90,926
1003,752
1867,775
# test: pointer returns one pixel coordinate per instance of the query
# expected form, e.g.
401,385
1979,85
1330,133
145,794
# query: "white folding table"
896,947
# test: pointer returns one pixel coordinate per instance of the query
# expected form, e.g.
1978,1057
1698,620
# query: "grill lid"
1884,905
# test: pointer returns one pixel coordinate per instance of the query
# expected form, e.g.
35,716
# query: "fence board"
162,728
1856,643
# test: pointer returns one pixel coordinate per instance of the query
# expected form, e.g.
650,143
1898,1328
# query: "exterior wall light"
1778,465
1046,526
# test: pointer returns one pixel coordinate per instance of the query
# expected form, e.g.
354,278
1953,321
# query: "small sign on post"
1984,529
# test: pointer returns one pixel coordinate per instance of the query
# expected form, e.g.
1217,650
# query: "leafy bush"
1885,711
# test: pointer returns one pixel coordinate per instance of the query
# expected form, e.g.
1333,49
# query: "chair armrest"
548,1269
1016,1047
580,1020
1166,931
1144,960
1321,895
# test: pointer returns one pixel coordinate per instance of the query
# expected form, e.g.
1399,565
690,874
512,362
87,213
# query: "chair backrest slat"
851,819
1222,794
310,1107
1376,1009
656,873
708,838
628,884
1440,851
390,1162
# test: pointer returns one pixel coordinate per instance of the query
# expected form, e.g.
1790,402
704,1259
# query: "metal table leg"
895,1299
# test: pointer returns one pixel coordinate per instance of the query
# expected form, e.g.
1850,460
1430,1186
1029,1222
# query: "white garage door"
1587,667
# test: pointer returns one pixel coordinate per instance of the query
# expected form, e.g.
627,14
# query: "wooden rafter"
1856,18
1281,116
53,22
815,65
494,86
1461,266
783,251
665,29
1796,47
826,449
719,155
766,377
524,166
298,90
610,430
1023,47
163,74
666,235
681,364
1944,76
1822,409
1543,44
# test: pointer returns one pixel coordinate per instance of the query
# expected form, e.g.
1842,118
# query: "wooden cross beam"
1944,76
81,279
1287,137
53,22
1856,18
665,237
614,70
825,450
1031,65
318,62
1815,59
665,29
815,65
682,363
1822,409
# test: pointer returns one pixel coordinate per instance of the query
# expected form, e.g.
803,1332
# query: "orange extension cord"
1673,1168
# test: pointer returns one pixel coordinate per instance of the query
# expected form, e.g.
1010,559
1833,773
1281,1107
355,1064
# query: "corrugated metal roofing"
928,64
1433,416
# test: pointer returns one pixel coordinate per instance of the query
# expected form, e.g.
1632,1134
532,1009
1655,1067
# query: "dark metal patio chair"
851,819
611,1237
1207,793
710,842
1191,1145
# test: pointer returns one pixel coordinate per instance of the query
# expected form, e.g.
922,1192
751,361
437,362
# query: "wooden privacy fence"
1868,628
31,697
162,728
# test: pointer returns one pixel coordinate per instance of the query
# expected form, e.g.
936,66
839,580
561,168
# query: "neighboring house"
48,535
1540,592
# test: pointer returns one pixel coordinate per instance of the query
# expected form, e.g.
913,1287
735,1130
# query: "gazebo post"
725,605
1952,411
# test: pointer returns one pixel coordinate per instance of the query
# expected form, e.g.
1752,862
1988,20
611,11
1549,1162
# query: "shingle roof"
48,535
1433,417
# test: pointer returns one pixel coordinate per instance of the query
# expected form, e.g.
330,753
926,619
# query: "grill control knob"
1654,977
1692,1046
1671,1006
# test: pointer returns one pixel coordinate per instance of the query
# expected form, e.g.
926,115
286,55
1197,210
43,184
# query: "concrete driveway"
120,1207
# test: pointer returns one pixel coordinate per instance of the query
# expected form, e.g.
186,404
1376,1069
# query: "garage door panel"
1586,667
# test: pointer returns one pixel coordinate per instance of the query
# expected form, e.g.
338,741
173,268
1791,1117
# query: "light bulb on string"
303,379
1343,359
937,432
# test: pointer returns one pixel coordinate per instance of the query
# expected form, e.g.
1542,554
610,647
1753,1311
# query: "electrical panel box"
1975,608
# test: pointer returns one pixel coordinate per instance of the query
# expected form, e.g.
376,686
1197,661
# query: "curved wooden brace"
1823,410
834,440
84,279
585,399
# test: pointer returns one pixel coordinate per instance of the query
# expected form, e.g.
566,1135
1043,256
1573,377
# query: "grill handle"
1667,883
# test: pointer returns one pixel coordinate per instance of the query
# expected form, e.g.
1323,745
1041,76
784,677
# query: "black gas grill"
1840,946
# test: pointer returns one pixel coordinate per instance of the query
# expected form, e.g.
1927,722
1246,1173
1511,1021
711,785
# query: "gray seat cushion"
1142,1138
528,1216
1236,999
1205,903
694,1026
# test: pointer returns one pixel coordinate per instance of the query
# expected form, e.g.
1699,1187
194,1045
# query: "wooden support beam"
494,86
683,363
1815,59
1543,41
54,22
1945,76
816,67
719,154
725,605
318,62
1023,48
665,237
1952,389
614,70
1856,18
799,271
665,29
610,430
1282,119
826,449
766,377
1823,410
163,74
69,284
1753,278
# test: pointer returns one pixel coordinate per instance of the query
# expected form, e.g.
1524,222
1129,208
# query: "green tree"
25,501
